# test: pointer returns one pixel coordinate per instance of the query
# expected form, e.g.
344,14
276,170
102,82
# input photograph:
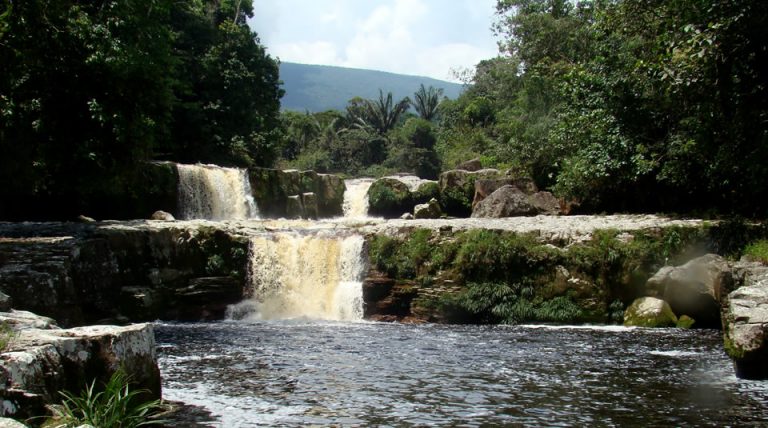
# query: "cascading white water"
356,197
316,276
215,193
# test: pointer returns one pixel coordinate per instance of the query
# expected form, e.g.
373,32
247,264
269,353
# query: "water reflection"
296,373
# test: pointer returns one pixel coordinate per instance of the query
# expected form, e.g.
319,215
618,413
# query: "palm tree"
426,101
380,115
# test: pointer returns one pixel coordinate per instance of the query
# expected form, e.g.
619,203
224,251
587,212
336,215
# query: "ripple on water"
297,373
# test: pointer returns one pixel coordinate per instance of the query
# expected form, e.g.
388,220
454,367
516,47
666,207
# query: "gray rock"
162,215
294,207
510,201
309,201
85,219
649,312
24,320
406,216
470,165
485,187
457,189
429,210
745,325
5,302
695,288
40,363
10,423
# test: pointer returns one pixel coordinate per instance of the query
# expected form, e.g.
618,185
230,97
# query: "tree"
380,115
426,101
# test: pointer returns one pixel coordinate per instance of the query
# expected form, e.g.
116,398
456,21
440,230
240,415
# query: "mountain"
322,87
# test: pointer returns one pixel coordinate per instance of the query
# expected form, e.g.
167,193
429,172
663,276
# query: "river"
302,372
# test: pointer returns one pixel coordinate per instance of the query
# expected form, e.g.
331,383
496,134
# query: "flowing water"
356,197
303,274
215,193
300,372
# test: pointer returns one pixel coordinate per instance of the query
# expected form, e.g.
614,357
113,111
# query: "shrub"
117,406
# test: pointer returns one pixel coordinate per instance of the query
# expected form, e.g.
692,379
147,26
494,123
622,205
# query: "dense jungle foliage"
90,89
621,105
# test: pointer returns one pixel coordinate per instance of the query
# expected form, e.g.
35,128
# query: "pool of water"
301,372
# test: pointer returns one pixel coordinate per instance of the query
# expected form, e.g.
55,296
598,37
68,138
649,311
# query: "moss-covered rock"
272,189
389,198
649,312
457,189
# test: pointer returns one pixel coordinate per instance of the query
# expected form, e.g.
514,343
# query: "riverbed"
303,372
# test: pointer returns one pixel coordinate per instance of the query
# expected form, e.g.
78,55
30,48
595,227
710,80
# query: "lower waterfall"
356,197
316,276
215,193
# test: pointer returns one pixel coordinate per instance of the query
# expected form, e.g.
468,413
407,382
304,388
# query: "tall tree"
426,101
382,114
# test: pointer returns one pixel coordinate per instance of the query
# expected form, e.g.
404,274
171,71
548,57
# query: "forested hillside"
318,88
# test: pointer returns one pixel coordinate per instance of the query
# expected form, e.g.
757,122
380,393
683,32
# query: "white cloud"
421,37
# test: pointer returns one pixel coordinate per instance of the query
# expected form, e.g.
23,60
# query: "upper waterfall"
315,276
215,193
356,197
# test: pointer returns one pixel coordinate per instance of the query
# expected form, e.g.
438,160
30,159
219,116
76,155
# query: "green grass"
116,406
7,334
757,251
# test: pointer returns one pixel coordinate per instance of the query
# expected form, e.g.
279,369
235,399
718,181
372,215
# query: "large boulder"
470,165
457,189
429,210
745,324
510,201
649,312
274,188
389,198
485,187
38,363
695,288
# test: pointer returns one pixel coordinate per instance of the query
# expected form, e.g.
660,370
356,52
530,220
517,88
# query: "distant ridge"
322,87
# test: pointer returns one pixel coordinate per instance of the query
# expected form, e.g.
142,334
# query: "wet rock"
695,288
5,302
85,219
406,216
207,298
40,363
745,324
457,189
294,208
510,201
470,165
162,215
310,203
389,197
429,210
273,190
649,312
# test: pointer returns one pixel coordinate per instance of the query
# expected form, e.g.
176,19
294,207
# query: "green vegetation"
757,251
116,406
7,334
89,91
504,277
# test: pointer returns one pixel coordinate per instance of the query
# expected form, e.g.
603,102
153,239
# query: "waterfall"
215,193
316,276
356,197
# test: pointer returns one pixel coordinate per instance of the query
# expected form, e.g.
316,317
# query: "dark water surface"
299,373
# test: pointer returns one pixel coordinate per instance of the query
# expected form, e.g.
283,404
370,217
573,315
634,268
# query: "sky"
417,37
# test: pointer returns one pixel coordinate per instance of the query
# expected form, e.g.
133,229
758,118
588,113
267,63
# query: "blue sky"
418,37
